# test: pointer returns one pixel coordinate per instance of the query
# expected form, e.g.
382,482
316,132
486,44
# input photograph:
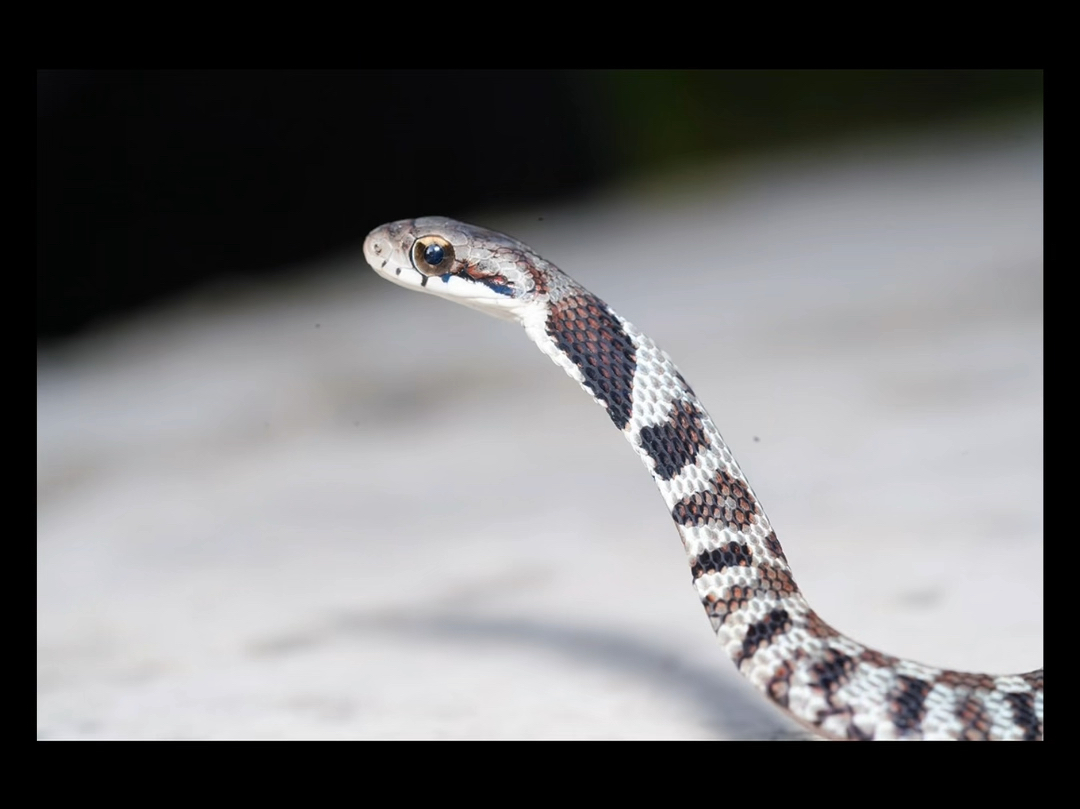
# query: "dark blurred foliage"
150,181
671,117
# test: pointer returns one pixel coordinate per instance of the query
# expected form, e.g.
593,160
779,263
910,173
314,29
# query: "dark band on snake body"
597,344
675,443
717,559
1023,709
727,503
907,700
760,634
975,722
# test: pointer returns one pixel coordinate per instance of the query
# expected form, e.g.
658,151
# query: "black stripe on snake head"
495,281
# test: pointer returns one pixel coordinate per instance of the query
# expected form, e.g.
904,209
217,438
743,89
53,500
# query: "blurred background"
271,500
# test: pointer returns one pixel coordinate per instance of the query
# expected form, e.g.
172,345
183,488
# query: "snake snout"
377,248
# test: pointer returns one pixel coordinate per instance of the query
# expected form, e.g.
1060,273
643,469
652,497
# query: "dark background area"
150,182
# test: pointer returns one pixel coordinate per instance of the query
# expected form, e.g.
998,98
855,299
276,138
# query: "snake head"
478,268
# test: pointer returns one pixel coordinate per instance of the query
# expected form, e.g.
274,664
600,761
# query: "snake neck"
825,680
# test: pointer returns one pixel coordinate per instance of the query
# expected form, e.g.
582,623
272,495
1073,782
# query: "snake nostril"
376,247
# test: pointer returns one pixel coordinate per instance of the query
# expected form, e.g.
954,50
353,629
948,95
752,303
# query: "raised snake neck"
828,682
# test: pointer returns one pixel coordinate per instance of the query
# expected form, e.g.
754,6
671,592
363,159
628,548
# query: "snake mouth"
483,295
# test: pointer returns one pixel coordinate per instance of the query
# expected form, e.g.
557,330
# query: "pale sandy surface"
336,509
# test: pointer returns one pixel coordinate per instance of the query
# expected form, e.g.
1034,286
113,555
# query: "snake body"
835,686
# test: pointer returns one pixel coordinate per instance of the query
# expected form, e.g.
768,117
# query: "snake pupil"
433,255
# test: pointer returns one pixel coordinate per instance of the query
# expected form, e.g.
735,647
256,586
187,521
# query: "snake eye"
433,255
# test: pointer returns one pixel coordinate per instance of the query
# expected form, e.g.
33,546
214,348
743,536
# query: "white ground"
335,509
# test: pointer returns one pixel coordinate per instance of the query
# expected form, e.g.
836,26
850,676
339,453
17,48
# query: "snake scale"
833,685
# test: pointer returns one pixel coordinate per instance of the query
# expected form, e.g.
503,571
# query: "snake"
826,681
